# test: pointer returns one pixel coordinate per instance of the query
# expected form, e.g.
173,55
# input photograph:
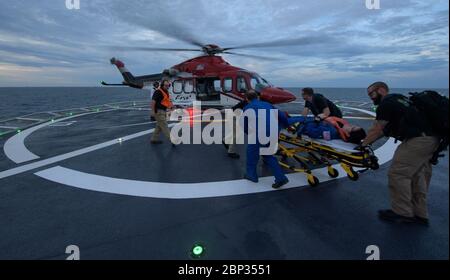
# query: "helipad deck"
89,177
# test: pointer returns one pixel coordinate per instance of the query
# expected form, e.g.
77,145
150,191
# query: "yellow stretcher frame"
310,153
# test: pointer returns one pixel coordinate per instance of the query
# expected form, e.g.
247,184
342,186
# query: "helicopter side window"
241,85
217,86
227,85
177,86
188,86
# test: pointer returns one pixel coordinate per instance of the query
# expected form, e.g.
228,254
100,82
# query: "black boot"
391,216
278,185
234,155
422,221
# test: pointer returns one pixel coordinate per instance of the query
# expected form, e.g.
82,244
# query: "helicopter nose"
277,95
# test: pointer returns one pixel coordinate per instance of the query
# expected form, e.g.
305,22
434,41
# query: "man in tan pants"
410,172
160,104
410,175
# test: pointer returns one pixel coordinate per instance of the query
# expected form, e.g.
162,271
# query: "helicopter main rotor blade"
126,48
169,27
155,18
253,56
178,32
282,43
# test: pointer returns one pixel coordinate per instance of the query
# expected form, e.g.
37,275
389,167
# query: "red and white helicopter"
208,77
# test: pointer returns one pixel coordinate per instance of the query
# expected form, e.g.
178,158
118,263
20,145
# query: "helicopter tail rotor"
141,81
129,79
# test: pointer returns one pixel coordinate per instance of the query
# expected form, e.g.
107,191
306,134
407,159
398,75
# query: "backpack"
434,107
407,122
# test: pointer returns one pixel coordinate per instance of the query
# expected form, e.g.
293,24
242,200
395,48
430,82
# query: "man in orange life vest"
160,104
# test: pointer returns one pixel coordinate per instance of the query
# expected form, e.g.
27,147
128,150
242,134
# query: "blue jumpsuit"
253,149
312,128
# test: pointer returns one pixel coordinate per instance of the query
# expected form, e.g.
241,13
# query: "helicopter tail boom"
129,79
134,81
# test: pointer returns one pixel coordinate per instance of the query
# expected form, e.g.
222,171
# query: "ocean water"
19,101
359,94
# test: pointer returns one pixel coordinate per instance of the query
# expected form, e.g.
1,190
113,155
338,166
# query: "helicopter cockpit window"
189,86
177,86
227,85
241,85
261,81
253,82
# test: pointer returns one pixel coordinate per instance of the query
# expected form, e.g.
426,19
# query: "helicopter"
209,78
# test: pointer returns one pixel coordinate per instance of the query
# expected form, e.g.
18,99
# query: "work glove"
317,119
293,128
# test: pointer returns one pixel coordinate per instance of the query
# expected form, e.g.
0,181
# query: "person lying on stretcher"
315,127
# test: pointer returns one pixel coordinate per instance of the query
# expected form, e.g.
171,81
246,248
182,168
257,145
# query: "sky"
345,44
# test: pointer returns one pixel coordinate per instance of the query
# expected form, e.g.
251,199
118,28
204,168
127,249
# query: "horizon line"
447,88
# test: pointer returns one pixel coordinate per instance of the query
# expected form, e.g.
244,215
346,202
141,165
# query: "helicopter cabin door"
228,97
183,92
208,89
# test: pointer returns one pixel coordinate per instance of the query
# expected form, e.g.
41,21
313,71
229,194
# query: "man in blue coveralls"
253,150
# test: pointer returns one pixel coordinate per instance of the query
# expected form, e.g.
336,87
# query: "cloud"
405,39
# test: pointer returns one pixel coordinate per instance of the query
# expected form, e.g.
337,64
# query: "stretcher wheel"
353,175
313,181
333,173
375,164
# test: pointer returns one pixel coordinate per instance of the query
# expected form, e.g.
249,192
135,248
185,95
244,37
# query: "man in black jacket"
410,172
319,105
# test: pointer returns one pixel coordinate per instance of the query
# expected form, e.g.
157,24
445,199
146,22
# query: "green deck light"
197,251
19,131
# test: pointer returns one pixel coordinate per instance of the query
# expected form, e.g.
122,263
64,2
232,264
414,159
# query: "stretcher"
311,153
